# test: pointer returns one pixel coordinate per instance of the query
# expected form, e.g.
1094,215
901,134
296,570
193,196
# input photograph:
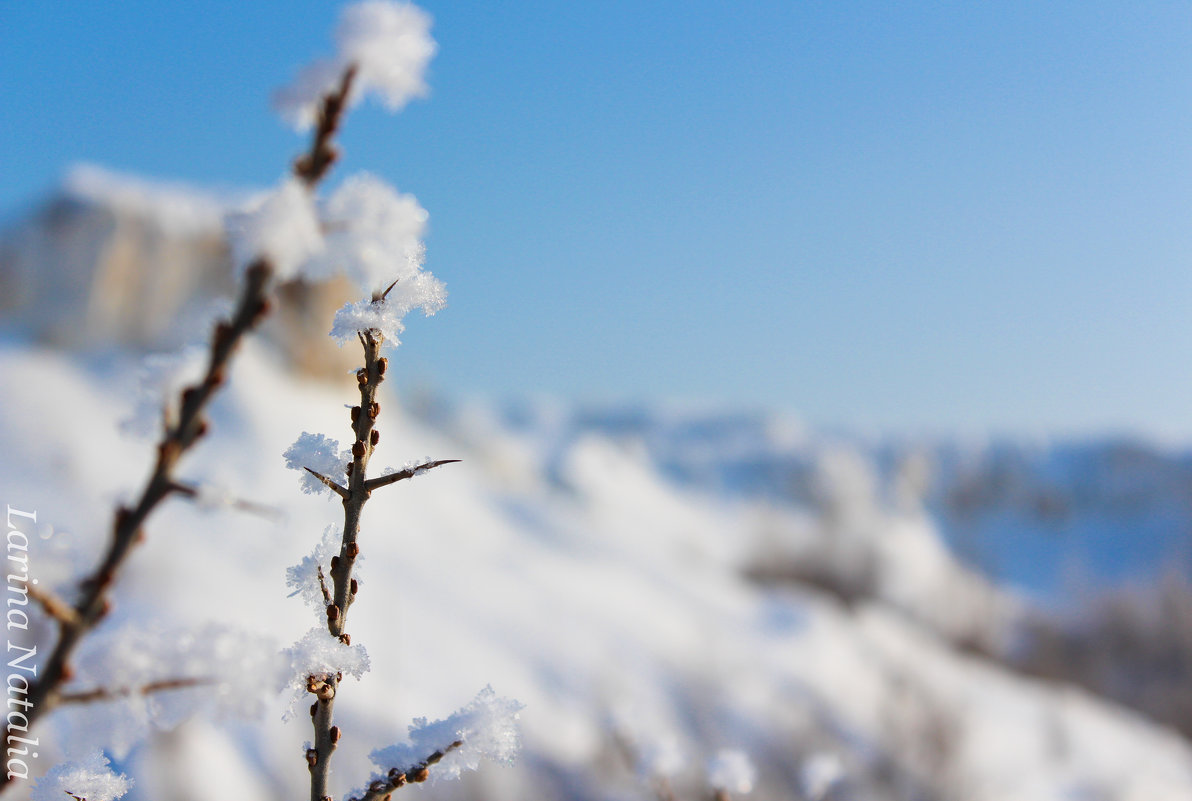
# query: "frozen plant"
371,233
182,428
373,237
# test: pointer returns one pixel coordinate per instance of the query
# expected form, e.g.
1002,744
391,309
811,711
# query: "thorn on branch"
377,298
336,488
410,472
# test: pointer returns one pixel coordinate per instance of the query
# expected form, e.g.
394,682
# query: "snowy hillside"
1033,514
569,572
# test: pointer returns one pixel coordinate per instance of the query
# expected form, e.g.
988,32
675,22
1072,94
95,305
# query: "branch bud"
382,364
355,413
374,409
353,550
312,756
374,437
419,774
333,613
335,734
358,449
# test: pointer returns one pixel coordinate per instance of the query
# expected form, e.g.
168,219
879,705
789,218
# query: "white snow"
373,234
90,779
303,578
390,45
178,208
283,226
487,729
568,572
321,454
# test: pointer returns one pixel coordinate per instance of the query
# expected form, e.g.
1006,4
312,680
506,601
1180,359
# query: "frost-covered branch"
181,433
380,789
344,587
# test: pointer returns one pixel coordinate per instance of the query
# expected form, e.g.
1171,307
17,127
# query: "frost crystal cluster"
390,46
487,728
365,230
303,578
282,225
218,669
90,778
319,453
318,653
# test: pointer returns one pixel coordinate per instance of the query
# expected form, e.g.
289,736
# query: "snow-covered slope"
1031,513
568,572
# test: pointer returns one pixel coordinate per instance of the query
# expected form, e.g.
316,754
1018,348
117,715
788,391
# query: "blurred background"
820,373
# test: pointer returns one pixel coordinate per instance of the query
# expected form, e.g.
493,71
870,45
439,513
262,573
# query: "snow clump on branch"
321,454
487,728
90,778
390,46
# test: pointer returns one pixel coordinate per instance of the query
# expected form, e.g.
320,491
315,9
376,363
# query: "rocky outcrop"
111,260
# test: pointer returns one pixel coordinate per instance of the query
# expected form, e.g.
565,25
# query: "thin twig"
312,166
397,777
239,504
409,472
110,694
55,606
344,587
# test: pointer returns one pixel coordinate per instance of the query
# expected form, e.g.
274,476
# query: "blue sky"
906,217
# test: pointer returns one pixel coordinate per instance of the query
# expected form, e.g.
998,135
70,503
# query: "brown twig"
239,504
381,789
55,606
190,426
355,495
409,472
314,164
110,694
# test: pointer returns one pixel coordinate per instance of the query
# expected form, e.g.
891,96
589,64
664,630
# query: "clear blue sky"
944,216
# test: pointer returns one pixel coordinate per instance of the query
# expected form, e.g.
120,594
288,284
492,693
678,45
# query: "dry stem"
343,593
